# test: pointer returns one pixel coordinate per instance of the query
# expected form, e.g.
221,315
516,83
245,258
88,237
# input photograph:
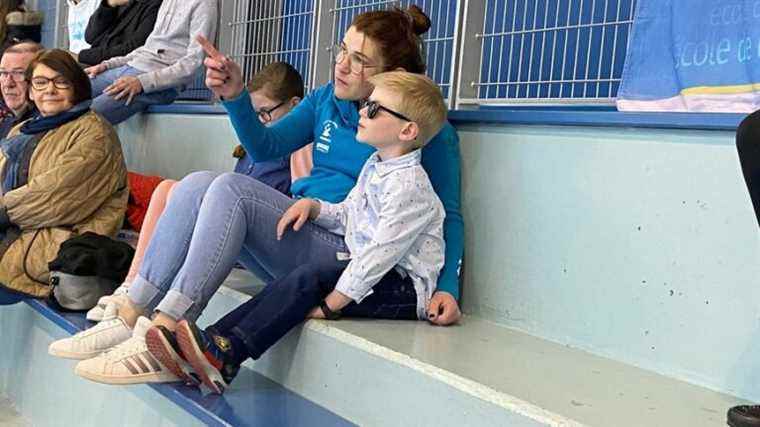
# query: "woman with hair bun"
212,218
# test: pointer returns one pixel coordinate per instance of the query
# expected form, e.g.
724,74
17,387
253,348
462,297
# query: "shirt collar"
406,161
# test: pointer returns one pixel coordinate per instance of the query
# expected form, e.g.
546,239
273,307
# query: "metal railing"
261,32
480,52
545,51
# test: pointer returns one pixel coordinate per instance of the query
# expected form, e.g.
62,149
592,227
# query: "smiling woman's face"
51,92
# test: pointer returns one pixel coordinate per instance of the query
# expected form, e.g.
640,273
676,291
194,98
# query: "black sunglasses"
373,107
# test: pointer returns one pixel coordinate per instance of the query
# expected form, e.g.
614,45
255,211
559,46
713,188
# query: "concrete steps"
636,245
9,416
375,372
46,391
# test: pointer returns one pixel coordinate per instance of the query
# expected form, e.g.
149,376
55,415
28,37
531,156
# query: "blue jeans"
284,303
116,110
210,221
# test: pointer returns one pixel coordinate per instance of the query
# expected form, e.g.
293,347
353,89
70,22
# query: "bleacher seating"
574,243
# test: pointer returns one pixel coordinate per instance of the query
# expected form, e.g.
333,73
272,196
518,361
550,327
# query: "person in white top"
156,72
392,221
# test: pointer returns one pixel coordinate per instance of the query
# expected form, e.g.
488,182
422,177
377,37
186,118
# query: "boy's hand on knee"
297,214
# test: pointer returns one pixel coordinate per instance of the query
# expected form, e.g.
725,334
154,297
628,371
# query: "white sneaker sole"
72,355
151,377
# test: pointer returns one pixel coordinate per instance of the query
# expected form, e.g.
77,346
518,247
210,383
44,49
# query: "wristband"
329,314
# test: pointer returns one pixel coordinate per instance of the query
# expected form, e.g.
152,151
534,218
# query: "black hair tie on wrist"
329,314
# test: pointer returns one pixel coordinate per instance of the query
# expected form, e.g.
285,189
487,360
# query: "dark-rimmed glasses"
356,62
17,76
42,83
373,107
265,115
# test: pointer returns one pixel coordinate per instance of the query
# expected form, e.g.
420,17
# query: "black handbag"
88,266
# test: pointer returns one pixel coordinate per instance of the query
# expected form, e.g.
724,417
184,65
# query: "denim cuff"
175,305
144,294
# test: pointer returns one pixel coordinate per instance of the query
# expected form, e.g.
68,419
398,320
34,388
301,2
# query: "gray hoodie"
171,56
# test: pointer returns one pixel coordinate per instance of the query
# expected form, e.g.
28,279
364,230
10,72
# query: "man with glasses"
13,85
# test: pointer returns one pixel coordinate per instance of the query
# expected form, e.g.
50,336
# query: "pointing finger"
209,48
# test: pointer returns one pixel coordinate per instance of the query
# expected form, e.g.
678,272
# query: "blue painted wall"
640,245
635,244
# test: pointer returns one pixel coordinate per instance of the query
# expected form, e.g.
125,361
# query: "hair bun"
420,21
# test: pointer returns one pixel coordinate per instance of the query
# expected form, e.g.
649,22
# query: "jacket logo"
325,137
222,342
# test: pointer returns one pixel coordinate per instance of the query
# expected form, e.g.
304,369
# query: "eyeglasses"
358,63
373,107
17,75
42,83
265,115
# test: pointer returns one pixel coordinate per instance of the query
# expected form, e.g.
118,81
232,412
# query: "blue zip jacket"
331,124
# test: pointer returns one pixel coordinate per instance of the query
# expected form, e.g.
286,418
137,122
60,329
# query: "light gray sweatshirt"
171,55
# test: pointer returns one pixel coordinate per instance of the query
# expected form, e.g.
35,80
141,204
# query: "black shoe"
211,356
163,345
744,416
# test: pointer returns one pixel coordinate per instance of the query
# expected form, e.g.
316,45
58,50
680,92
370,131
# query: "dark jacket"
117,31
8,120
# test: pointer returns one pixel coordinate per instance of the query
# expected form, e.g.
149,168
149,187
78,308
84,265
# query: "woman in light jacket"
62,173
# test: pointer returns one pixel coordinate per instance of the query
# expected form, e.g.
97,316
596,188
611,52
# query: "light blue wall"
640,245
172,145
579,235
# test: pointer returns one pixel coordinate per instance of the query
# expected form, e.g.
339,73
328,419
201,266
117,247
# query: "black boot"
744,416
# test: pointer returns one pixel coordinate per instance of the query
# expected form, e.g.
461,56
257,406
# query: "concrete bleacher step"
9,417
375,372
48,393
364,372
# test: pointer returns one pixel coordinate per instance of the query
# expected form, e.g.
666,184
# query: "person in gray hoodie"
156,72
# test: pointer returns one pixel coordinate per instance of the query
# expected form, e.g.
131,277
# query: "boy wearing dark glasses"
392,223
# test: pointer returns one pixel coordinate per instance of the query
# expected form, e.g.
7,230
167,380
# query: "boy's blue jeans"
211,221
284,303
117,110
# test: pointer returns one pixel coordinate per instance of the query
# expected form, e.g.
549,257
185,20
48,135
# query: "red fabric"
141,188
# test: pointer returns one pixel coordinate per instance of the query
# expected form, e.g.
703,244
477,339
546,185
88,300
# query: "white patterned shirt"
391,218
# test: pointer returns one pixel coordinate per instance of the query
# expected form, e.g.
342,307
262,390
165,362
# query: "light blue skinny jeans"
211,221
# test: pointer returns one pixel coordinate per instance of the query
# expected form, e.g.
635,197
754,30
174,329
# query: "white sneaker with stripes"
128,363
91,342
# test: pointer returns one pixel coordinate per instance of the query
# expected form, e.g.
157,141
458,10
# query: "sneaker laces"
103,325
